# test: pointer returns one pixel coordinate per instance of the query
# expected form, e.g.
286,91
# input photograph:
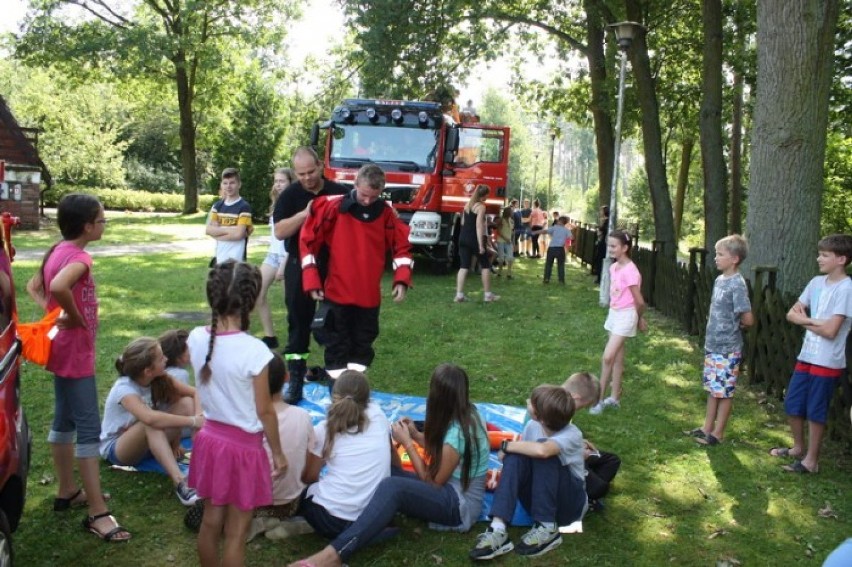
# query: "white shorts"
622,322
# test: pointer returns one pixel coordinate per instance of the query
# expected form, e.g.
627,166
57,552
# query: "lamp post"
550,176
624,34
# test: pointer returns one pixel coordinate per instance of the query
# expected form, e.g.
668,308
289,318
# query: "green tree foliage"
836,202
190,43
251,142
81,123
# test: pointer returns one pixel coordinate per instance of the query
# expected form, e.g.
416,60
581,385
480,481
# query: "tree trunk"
710,126
187,135
599,106
736,196
682,180
661,201
735,201
795,41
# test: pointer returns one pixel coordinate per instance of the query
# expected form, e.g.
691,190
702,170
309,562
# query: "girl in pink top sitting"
65,280
626,307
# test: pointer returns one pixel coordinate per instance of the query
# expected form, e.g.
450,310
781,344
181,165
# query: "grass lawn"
674,502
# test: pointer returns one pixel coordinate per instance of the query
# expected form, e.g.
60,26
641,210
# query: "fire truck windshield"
395,147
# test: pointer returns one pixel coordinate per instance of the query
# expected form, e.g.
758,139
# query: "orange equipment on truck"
432,163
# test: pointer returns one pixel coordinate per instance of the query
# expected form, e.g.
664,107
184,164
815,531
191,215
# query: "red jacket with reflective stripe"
357,251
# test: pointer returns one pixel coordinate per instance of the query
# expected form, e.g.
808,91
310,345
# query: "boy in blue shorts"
544,470
825,311
730,311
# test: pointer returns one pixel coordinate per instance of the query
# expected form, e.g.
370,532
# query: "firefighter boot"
297,370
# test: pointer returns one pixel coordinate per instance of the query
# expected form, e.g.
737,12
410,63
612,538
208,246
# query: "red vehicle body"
15,436
431,161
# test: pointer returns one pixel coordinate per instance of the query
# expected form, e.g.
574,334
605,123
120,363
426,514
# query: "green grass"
673,502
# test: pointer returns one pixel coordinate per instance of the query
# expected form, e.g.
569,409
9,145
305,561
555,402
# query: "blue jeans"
323,522
76,414
559,496
401,492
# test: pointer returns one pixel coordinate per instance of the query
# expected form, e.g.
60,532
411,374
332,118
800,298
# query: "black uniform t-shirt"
293,199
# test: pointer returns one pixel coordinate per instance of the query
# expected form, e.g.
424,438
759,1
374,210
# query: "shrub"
129,200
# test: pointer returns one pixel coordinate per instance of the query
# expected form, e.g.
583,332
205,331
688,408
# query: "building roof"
18,146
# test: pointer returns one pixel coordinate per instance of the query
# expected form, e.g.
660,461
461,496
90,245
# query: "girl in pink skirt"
230,469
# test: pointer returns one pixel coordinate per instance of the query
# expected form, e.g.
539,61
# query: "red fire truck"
432,163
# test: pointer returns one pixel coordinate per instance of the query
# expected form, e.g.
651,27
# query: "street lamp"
550,176
624,34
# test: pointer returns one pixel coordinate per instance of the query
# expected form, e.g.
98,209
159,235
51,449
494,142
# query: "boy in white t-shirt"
825,311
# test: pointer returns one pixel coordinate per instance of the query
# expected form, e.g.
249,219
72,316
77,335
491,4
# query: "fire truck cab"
432,163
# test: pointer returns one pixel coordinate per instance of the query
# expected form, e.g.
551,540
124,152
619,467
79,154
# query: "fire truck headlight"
396,114
423,119
372,115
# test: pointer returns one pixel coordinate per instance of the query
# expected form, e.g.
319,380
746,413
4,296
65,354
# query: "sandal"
783,452
710,439
697,432
798,467
110,536
76,500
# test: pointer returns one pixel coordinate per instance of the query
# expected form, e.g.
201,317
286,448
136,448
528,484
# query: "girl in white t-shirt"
230,469
354,445
272,269
132,429
626,307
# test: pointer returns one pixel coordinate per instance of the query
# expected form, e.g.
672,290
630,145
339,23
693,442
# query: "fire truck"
432,162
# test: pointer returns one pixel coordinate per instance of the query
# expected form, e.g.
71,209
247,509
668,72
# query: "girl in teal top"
448,491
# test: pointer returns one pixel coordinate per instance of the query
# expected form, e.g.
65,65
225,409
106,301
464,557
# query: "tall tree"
710,125
795,47
652,141
186,41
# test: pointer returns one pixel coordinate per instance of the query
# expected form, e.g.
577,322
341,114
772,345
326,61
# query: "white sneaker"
490,297
597,409
185,494
611,402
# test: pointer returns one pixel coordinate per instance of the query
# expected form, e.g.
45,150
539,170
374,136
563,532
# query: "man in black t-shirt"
291,210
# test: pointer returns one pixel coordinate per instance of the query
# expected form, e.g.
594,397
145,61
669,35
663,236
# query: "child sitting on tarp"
549,456
601,466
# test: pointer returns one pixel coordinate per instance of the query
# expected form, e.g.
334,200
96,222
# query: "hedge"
130,200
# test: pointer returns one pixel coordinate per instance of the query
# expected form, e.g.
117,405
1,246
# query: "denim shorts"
76,415
273,259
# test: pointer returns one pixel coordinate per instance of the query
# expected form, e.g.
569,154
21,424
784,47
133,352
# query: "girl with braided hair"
233,387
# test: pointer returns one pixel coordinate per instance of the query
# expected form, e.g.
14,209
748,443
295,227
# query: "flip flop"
783,452
697,432
710,439
110,536
798,467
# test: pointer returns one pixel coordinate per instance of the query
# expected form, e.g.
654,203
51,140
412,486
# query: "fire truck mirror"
315,134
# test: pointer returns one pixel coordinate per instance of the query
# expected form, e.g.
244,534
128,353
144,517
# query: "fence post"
656,246
689,316
754,332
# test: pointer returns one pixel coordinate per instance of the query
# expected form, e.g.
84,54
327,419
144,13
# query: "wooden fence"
682,291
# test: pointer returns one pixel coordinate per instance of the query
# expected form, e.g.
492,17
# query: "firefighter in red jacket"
359,230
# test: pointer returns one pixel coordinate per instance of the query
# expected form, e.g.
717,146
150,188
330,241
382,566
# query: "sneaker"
460,298
491,544
185,494
611,402
539,540
490,298
596,409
